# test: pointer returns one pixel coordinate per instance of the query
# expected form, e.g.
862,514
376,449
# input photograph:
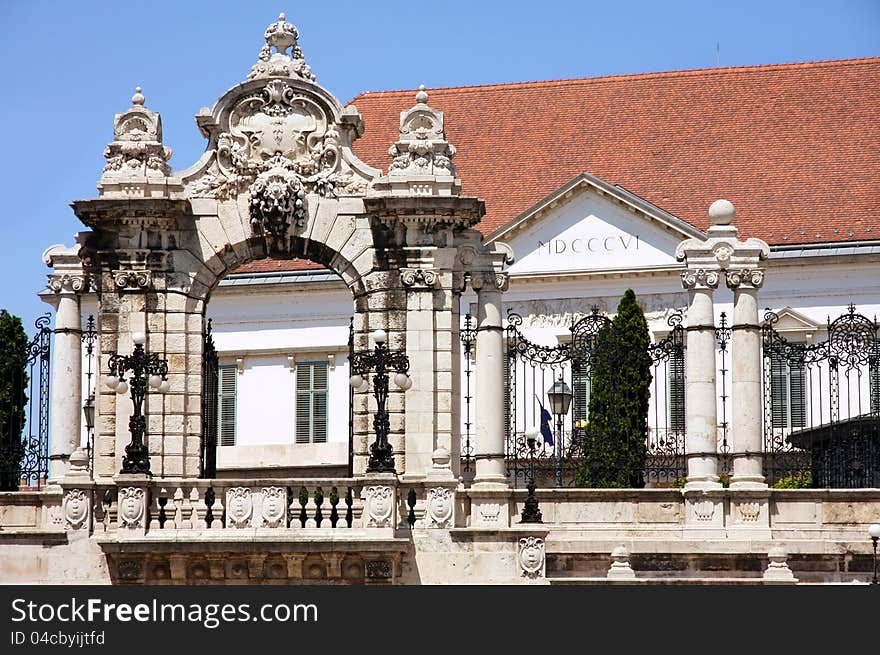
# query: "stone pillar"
746,395
64,289
701,411
490,467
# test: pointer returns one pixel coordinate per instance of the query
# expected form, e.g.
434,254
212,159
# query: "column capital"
68,283
418,277
699,278
745,278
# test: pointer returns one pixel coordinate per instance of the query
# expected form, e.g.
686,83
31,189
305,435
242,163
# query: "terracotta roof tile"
795,147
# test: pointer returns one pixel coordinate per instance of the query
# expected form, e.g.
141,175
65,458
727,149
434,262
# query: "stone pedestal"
749,516
704,513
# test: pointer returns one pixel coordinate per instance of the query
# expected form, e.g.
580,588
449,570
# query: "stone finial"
137,161
620,566
422,151
722,212
281,36
778,570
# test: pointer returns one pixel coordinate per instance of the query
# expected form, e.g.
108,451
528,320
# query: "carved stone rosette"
76,509
132,508
440,507
378,506
699,279
531,557
239,507
746,278
274,507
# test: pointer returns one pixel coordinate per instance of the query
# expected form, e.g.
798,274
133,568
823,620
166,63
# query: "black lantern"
89,412
381,360
147,369
874,533
559,397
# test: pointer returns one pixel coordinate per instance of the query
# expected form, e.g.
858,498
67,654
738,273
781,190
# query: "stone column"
746,386
701,417
63,293
490,468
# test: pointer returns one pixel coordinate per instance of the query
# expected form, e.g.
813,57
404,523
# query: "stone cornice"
109,213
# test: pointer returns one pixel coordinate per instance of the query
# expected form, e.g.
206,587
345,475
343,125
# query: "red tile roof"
795,147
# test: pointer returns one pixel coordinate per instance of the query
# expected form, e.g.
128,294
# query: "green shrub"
799,480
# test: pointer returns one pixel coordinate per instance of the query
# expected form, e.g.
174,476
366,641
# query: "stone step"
659,580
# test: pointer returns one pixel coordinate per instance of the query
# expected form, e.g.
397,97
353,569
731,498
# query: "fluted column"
746,386
701,413
490,467
66,389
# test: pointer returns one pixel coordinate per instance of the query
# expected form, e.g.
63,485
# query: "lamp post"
89,415
381,360
559,397
874,531
530,512
146,369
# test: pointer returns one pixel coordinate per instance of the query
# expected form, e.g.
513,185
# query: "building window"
311,402
788,393
227,379
580,388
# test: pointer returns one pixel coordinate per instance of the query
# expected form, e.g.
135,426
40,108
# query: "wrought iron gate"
210,402
822,406
595,347
24,458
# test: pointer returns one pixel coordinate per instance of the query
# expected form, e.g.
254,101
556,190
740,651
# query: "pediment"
591,226
791,320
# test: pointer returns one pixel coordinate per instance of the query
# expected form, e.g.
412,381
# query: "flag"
546,432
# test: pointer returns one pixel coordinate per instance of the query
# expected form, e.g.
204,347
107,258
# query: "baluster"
319,500
199,509
177,523
312,510
292,508
218,497
349,509
334,501
303,499
156,507
111,515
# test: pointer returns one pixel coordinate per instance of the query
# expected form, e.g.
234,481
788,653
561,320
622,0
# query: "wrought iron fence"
822,405
468,334
530,370
210,403
24,456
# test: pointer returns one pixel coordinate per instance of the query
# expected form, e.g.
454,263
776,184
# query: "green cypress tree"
614,450
634,387
13,397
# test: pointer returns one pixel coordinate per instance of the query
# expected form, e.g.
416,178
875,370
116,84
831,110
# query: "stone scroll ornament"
274,506
440,506
132,507
76,509
380,503
531,557
239,507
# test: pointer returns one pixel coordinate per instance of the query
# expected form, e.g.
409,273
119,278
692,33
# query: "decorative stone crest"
132,280
281,36
704,510
132,508
76,509
699,279
753,278
274,506
441,502
410,277
239,507
379,506
130,569
748,512
531,557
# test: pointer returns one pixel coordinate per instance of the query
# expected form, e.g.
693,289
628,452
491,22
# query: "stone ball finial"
282,17
722,212
138,97
422,96
441,457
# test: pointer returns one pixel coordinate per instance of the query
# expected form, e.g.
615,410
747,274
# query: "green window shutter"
779,391
797,388
580,388
675,383
311,402
874,382
226,391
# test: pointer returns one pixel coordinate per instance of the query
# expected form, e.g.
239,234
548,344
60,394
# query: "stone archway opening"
281,403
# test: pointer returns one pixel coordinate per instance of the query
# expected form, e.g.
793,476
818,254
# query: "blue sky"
68,67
